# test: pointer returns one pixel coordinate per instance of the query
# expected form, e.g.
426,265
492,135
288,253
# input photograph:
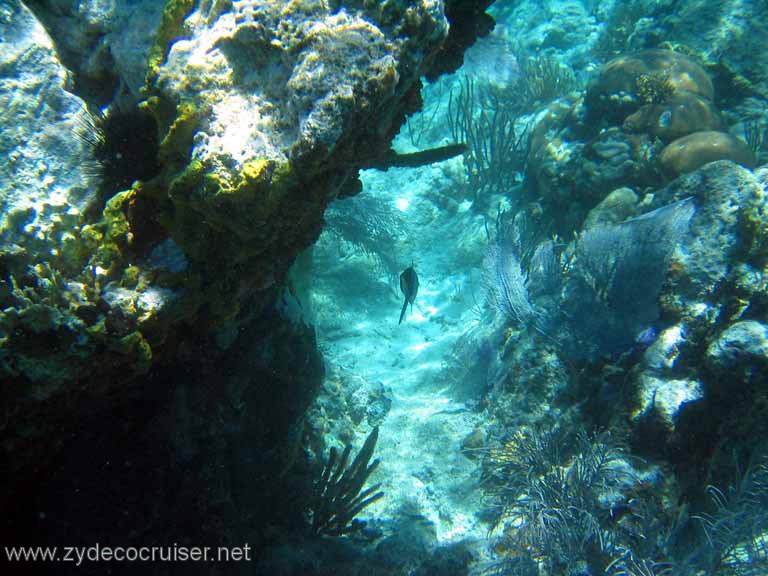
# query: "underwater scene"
384,287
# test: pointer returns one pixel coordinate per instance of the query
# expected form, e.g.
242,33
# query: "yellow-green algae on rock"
170,26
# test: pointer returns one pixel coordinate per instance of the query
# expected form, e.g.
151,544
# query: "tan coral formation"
690,152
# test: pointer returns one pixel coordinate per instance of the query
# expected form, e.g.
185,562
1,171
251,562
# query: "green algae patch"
135,347
187,181
131,276
249,185
115,220
170,28
235,207
176,144
105,242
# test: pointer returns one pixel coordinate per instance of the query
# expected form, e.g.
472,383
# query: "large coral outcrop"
705,367
265,112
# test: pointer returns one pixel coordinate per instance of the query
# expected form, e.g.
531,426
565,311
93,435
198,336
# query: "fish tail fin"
402,312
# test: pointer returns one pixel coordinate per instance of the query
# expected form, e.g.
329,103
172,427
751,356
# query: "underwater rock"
558,116
660,392
711,255
266,111
660,402
564,30
552,169
269,112
467,21
741,349
690,152
41,196
730,37
572,168
614,208
711,281
615,158
281,80
105,45
665,349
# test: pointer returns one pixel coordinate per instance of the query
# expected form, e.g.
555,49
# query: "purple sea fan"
507,284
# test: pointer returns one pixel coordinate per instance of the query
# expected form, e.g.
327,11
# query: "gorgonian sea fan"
604,295
507,284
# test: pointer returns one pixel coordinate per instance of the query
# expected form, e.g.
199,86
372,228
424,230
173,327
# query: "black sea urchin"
125,146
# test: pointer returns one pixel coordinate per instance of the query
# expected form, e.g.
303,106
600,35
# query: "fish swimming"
409,286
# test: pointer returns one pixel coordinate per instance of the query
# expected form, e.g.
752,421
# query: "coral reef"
647,78
713,303
169,167
646,118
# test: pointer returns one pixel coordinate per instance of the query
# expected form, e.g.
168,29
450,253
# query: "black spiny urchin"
125,147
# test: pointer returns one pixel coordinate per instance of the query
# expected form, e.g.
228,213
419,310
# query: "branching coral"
543,80
583,510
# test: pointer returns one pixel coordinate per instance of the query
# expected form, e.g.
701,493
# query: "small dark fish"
409,286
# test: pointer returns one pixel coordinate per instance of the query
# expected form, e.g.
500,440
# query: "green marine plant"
543,79
627,565
584,510
174,13
488,118
756,135
338,493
